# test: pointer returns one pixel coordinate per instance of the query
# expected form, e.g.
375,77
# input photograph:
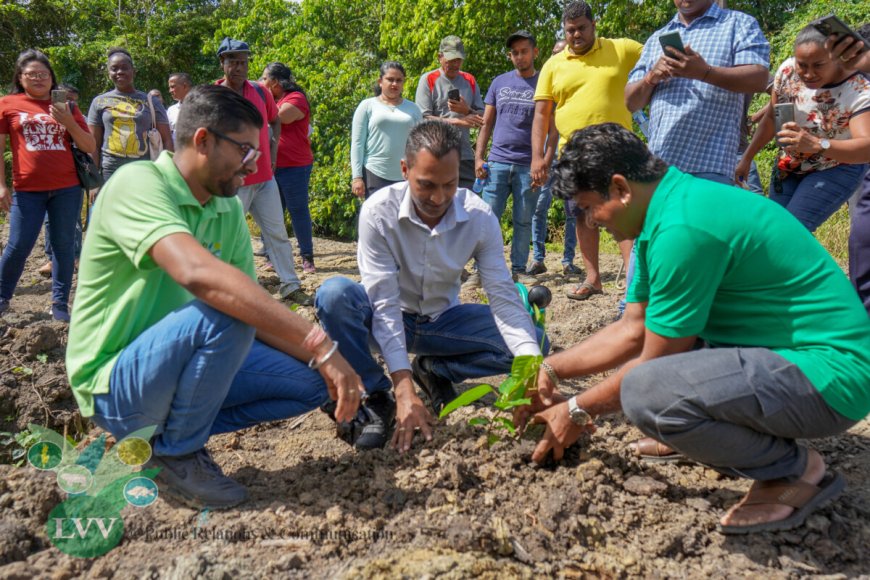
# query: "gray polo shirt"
432,99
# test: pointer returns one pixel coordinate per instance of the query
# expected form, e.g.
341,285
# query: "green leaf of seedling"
508,386
505,405
474,421
526,366
492,439
43,358
466,398
26,371
538,316
506,424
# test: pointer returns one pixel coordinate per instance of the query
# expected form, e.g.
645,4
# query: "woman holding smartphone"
293,170
380,130
44,177
824,152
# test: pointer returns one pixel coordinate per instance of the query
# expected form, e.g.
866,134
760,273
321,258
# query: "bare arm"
166,137
229,290
275,126
541,128
97,132
289,113
552,142
489,116
5,194
746,78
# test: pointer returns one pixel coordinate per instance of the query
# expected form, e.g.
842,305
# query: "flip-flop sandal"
651,451
583,291
804,497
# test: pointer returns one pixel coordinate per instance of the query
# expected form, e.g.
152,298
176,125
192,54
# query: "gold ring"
400,429
843,58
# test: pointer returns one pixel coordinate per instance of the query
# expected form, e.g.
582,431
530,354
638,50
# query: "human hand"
460,106
479,169
473,121
5,198
92,195
561,432
741,174
659,73
343,384
411,414
540,402
539,172
689,65
61,113
794,139
849,51
358,187
760,113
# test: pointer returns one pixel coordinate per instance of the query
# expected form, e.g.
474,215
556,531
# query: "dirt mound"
451,508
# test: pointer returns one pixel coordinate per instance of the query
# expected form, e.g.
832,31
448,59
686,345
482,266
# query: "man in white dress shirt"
414,239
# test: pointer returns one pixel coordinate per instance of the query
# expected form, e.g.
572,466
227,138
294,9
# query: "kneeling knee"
338,294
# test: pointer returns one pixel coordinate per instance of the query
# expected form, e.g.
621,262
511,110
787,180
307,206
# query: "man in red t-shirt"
260,195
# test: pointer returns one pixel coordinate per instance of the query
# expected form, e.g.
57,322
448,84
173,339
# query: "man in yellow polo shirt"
585,82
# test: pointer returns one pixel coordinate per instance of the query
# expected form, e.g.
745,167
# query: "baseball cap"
232,45
525,34
451,47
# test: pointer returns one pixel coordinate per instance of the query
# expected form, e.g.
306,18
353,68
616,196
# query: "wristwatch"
824,144
578,415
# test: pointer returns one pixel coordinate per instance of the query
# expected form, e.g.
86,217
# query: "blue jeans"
506,179
77,245
539,228
859,243
25,220
293,183
813,197
464,338
199,372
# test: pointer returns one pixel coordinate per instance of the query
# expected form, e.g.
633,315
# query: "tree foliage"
334,49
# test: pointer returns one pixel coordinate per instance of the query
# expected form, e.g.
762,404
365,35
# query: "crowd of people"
740,334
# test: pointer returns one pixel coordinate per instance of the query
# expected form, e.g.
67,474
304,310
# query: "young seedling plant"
515,391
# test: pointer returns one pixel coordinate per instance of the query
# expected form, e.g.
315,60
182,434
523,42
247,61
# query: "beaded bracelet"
315,364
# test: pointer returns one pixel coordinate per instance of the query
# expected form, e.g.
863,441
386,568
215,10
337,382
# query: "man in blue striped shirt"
696,97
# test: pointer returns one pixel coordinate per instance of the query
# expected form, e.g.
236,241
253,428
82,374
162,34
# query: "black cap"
525,34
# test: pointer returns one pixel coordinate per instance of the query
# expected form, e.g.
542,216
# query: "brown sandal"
583,291
651,451
804,497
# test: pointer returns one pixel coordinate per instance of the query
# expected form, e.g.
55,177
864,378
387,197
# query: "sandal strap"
778,492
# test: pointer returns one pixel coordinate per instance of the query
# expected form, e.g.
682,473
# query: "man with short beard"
170,330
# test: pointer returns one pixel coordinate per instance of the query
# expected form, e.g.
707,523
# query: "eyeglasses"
36,76
249,154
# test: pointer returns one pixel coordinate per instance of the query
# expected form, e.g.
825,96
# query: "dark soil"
451,508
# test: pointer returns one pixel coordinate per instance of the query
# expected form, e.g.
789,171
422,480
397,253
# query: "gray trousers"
264,202
737,410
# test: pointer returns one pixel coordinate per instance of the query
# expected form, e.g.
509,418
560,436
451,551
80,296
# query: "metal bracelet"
550,373
315,364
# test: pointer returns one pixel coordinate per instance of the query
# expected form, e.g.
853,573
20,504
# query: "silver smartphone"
782,113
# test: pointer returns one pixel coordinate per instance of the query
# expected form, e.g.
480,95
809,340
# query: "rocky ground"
451,508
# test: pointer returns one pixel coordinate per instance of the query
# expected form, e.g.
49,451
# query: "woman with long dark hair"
379,132
293,171
44,177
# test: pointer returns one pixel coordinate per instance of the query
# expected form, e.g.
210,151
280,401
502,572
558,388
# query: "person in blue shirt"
696,98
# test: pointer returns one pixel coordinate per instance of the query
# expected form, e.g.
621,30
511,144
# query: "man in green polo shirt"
789,340
170,328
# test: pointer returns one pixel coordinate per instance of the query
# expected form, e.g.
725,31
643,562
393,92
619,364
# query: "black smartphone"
672,40
782,113
830,24
58,96
453,94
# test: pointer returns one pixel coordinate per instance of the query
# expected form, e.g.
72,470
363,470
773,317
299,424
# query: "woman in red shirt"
44,176
294,154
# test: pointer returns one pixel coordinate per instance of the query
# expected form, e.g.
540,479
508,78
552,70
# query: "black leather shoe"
373,424
438,390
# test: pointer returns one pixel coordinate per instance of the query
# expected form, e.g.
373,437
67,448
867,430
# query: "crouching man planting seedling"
789,340
414,239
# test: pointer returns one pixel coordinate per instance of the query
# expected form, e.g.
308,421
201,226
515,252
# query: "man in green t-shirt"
789,341
170,329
